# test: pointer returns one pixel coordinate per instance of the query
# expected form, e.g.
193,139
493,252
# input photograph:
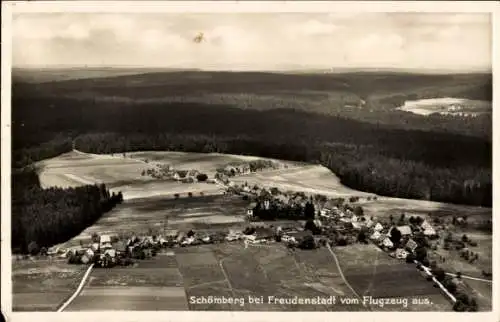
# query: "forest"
416,164
44,217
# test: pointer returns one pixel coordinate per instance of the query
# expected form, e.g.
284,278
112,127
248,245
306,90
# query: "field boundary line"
471,278
343,277
78,290
226,276
206,283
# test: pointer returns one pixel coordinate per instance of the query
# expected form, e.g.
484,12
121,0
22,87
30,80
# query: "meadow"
43,284
371,272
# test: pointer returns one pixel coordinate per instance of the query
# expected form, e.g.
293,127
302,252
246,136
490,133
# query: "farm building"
387,243
250,208
89,252
369,223
356,225
425,225
430,232
110,252
94,247
193,173
411,245
405,230
428,229
171,233
378,227
105,242
376,236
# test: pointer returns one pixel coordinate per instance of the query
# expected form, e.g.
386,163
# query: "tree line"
393,162
45,217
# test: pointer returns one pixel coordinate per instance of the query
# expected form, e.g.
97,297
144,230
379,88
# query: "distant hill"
43,75
368,96
139,83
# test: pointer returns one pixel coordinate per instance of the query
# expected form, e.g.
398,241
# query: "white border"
227,6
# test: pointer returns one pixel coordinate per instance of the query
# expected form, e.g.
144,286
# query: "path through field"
153,285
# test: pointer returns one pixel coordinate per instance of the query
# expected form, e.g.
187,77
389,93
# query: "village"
296,220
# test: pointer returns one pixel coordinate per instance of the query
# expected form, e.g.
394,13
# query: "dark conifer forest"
44,217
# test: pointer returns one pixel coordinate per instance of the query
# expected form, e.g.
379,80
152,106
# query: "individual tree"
358,211
33,248
395,236
410,258
307,242
439,273
362,238
202,177
420,253
309,210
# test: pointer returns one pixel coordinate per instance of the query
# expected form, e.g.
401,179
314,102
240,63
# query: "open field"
231,270
203,162
43,285
123,174
225,270
447,105
188,276
119,174
316,179
371,272
151,285
140,215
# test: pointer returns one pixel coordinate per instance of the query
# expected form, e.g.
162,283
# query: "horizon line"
325,70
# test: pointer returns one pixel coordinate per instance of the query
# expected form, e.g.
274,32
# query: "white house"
425,225
378,227
405,230
94,247
105,242
376,236
430,232
387,243
90,252
356,225
111,252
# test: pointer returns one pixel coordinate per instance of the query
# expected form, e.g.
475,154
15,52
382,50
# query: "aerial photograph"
238,161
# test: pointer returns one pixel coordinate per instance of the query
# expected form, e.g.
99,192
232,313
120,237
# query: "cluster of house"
101,252
239,168
378,232
165,171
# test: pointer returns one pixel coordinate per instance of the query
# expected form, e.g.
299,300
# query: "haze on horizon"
255,41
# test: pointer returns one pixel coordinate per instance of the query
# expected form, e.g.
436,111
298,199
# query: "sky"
254,41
